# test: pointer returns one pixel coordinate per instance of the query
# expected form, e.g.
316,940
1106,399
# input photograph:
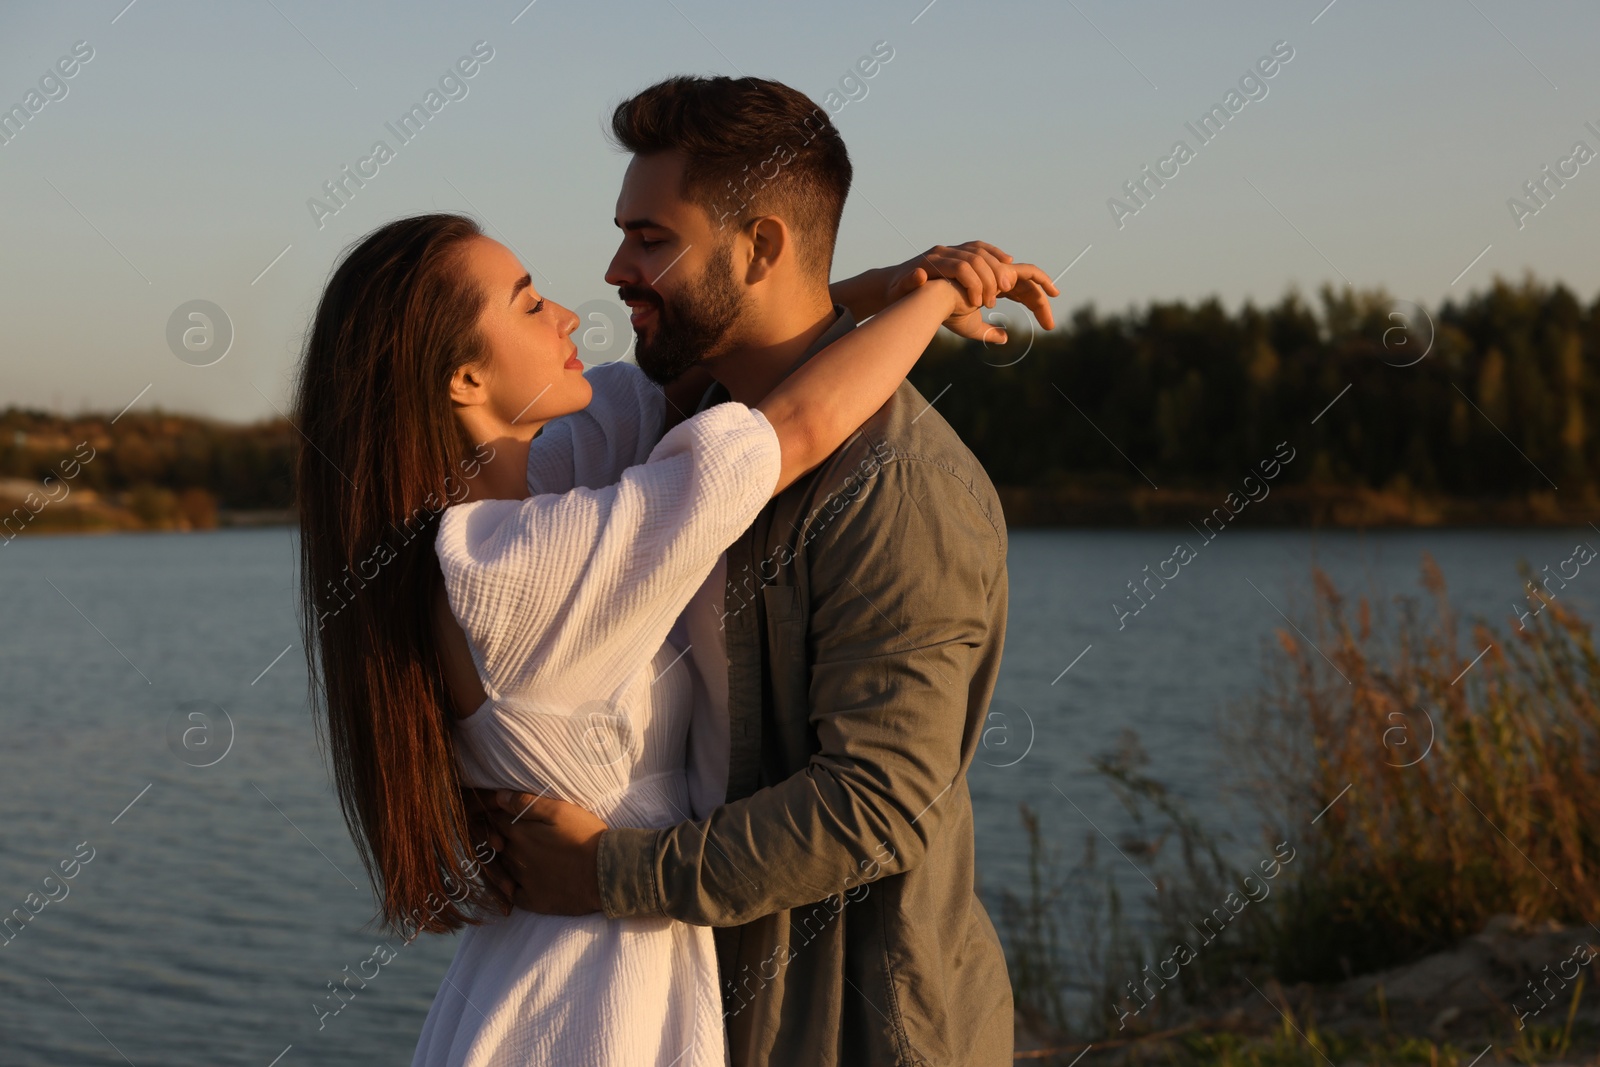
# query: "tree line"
242,467
1492,397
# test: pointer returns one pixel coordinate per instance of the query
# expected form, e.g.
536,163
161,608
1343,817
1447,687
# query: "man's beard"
694,324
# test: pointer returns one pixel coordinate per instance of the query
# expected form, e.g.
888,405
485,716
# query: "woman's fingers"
1000,254
1037,274
984,268
941,261
1005,276
1033,289
966,278
1032,296
984,246
998,275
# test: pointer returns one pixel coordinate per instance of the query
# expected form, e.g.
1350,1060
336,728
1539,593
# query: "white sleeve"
592,447
566,594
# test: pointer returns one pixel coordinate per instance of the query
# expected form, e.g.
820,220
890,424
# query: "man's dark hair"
751,147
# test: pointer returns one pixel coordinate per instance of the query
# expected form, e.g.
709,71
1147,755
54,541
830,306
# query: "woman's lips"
573,362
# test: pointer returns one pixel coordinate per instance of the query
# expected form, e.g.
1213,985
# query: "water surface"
221,900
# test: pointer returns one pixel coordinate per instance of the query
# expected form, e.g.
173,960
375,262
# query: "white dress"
567,600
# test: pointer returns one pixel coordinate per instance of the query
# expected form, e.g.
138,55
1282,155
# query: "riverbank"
1290,506
1025,507
56,508
1427,871
1446,1009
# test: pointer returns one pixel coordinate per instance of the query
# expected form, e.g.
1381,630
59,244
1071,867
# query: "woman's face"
531,373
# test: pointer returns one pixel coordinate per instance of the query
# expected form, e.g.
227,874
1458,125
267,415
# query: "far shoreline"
1200,511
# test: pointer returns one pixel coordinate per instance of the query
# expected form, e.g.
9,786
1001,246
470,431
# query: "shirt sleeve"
892,646
569,593
592,447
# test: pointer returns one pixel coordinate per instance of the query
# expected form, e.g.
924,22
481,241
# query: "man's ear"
771,244
468,387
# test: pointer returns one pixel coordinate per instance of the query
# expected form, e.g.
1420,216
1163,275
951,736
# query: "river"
217,902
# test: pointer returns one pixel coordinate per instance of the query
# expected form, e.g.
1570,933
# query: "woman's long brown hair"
382,456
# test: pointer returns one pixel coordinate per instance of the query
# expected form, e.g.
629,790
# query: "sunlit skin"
667,246
530,373
667,242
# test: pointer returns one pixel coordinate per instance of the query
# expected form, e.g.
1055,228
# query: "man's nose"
621,271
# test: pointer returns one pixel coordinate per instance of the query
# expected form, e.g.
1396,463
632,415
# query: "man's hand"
985,273
548,851
481,808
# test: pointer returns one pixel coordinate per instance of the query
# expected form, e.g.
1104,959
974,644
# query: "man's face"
674,270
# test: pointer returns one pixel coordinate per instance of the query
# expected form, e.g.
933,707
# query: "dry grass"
1464,790
1499,816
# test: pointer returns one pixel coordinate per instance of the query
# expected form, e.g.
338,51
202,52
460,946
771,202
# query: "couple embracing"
671,714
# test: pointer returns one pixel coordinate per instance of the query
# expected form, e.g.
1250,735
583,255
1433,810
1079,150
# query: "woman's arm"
972,262
560,590
828,396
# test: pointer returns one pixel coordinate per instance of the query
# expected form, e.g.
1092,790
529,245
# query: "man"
859,628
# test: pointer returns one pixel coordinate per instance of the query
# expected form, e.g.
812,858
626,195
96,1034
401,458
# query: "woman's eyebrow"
520,284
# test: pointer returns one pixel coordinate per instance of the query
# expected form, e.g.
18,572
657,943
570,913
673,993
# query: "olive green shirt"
865,615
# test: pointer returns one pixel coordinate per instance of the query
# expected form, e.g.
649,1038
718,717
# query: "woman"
469,634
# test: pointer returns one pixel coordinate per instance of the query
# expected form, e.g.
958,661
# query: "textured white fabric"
592,448
567,600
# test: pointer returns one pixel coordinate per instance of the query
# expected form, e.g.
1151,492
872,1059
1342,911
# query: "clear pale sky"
179,162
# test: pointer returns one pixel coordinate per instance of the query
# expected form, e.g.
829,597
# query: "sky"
179,161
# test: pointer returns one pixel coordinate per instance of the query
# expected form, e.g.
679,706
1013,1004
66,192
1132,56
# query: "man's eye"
647,243
538,307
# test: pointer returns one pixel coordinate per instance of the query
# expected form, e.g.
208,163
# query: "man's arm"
901,581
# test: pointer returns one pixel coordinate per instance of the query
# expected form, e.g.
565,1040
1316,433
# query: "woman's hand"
984,273
974,265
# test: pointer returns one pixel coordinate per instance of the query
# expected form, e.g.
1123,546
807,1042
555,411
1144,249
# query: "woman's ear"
770,243
468,387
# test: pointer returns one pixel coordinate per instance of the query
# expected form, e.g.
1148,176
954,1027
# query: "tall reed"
1464,789
1422,787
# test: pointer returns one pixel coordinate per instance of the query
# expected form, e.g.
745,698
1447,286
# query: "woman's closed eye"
537,307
